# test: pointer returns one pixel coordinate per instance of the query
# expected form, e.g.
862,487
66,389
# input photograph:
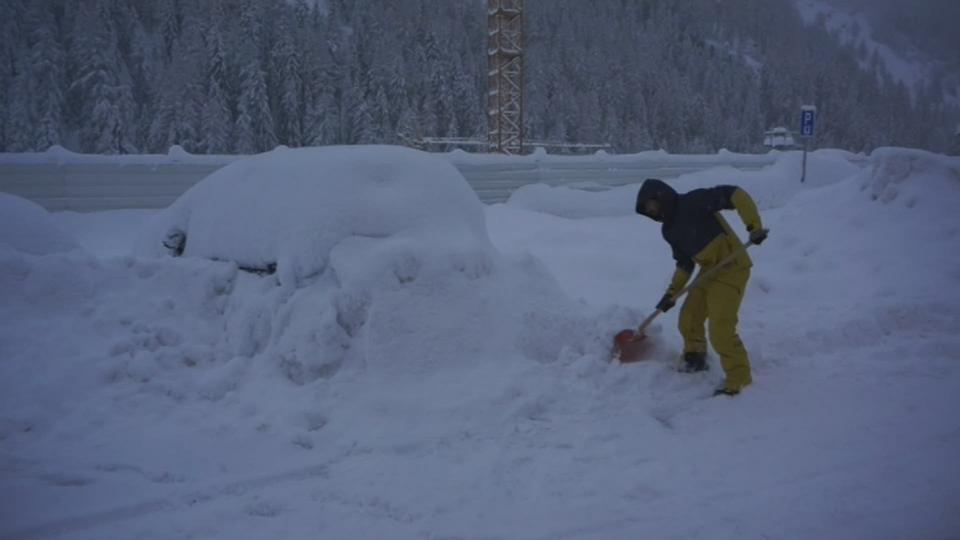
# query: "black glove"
666,303
757,236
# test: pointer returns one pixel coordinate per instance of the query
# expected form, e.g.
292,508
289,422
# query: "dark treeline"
242,76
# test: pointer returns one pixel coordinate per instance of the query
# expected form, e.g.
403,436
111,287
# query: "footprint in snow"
261,508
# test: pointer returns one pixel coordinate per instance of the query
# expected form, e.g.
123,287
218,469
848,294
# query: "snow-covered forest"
242,76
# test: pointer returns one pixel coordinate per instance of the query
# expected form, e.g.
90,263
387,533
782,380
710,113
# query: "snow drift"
28,227
382,258
909,174
388,290
771,186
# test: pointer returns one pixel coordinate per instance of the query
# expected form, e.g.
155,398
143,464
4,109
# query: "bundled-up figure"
698,234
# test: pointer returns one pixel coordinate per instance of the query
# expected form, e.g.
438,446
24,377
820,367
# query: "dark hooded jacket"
693,227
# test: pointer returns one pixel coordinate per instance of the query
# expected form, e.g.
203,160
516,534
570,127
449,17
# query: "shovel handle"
700,278
646,322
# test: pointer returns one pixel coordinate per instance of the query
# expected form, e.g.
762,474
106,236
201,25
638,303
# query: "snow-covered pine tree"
384,131
102,84
47,76
288,66
407,123
316,86
180,85
13,45
707,74
215,117
20,119
254,125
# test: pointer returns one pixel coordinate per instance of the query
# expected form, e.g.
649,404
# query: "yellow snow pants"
718,301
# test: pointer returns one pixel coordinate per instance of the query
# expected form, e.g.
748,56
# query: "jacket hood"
657,190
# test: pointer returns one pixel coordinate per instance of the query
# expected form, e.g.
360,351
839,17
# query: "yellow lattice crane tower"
504,91
505,76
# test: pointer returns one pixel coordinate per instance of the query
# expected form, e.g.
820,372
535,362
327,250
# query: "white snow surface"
58,155
159,397
27,227
109,233
771,186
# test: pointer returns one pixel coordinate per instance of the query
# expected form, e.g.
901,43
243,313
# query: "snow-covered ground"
404,383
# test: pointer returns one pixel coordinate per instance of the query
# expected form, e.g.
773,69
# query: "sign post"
808,118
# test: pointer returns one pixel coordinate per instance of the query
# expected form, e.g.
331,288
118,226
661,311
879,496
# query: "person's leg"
693,314
724,296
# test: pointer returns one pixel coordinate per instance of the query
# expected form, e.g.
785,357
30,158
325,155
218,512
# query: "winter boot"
694,362
722,391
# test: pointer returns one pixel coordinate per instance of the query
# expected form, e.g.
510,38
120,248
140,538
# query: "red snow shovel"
632,345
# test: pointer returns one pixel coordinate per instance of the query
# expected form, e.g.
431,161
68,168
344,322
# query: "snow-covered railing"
62,180
495,177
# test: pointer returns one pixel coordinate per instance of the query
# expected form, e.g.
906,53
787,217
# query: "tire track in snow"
124,513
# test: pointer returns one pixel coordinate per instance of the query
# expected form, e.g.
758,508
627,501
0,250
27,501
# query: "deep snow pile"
383,263
770,186
390,314
884,265
181,397
27,227
910,175
109,232
383,257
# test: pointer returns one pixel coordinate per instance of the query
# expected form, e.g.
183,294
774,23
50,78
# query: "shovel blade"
629,346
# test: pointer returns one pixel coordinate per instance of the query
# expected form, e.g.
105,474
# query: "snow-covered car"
289,209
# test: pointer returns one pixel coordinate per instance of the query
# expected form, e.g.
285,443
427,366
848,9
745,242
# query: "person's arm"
735,198
746,209
681,275
732,198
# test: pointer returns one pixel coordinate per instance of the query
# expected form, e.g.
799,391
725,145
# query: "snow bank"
391,322
649,158
380,208
58,155
176,154
905,175
105,233
870,237
574,203
771,187
390,313
27,227
383,257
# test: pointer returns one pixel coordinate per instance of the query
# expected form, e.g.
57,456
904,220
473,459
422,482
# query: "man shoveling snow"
698,234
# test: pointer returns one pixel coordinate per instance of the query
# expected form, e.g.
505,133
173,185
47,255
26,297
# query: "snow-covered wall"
62,180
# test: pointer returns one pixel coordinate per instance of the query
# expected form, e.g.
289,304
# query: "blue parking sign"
808,118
